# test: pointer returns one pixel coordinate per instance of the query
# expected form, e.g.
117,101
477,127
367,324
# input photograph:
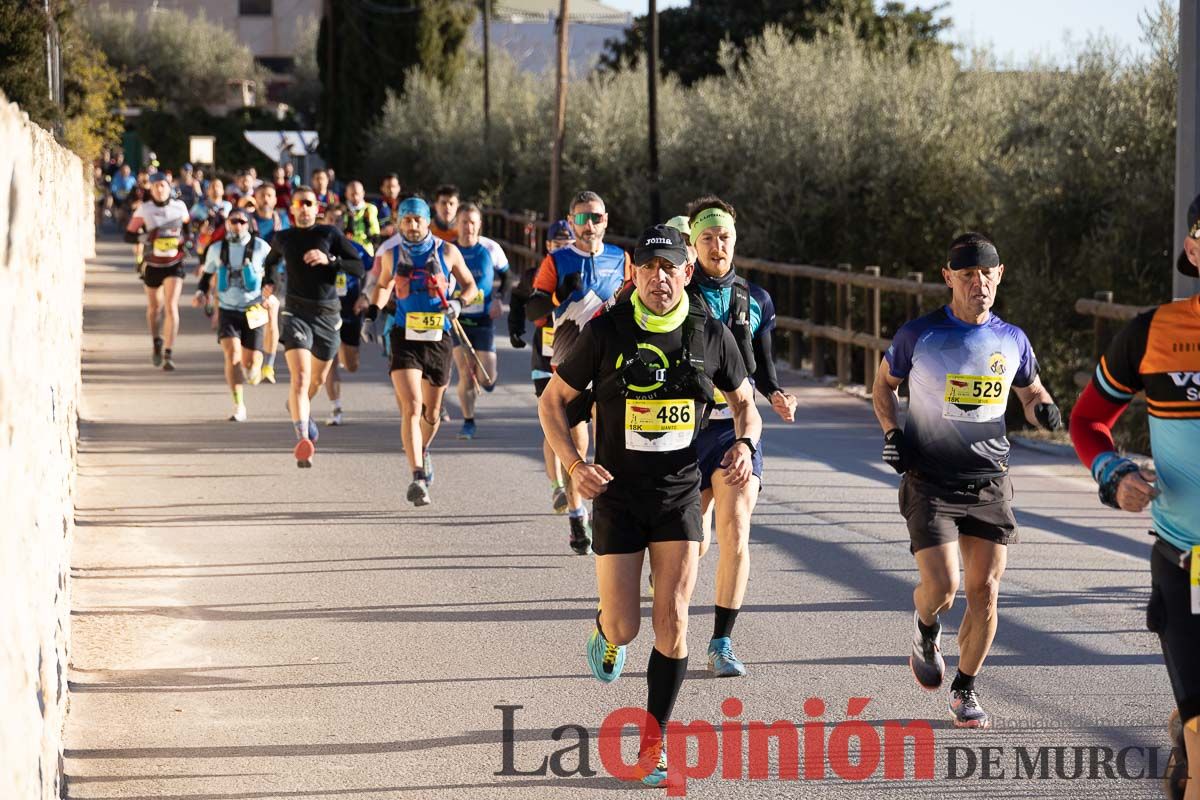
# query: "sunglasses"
584,217
305,203
237,221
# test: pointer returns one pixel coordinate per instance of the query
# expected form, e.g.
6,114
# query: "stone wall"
46,231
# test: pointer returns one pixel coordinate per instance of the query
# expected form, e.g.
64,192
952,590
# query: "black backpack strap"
225,250
739,321
610,385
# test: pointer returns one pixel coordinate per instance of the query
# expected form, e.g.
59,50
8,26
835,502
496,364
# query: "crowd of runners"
655,356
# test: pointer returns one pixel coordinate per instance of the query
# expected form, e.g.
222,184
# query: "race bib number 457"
423,327
659,426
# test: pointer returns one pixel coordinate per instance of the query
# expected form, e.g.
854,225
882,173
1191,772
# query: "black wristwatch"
746,440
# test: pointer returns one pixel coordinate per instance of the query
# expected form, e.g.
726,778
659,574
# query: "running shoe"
558,500
926,662
255,376
313,433
467,431
1175,776
427,463
239,414
335,418
304,453
652,765
581,536
605,658
721,661
168,364
964,705
418,493
268,373
445,414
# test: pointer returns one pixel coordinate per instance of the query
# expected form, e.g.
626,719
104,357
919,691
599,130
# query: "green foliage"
303,94
91,88
839,150
691,37
374,46
170,60
167,133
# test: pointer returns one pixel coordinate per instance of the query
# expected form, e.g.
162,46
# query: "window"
254,8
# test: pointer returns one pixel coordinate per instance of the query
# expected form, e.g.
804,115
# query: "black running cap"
1193,222
973,255
661,241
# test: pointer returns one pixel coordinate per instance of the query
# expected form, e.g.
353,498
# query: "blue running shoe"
313,433
468,430
653,760
722,662
605,658
427,463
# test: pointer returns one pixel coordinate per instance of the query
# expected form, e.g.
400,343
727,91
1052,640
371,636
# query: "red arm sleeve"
1092,420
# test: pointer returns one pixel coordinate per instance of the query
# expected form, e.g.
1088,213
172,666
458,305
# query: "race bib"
658,426
721,409
340,284
476,307
166,245
422,326
1196,579
974,398
256,316
548,341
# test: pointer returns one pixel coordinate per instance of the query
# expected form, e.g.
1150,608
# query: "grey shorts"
317,333
938,514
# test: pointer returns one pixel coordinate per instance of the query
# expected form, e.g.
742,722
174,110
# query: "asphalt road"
244,629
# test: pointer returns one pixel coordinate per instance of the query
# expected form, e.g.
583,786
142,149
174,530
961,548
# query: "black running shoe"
581,536
926,661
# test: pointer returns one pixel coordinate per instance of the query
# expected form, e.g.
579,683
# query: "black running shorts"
233,325
317,333
153,276
433,359
629,524
1169,614
938,514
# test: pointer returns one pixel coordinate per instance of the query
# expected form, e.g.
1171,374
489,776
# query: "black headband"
968,256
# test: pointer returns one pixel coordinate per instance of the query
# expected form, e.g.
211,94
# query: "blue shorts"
713,443
480,332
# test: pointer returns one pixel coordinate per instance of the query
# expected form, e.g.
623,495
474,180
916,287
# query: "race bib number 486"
659,426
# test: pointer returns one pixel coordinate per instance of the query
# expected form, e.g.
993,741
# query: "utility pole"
487,75
652,79
560,112
1187,136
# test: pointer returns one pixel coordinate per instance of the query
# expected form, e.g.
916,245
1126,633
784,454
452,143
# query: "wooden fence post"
816,312
914,300
845,318
795,338
1099,344
874,314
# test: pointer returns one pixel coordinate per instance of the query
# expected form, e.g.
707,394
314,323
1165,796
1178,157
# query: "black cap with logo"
1193,222
661,241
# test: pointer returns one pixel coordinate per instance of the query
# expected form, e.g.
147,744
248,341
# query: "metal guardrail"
835,313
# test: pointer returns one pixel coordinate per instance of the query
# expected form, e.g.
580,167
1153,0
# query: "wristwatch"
750,443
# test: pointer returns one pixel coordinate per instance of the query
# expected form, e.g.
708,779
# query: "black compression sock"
723,621
418,474
664,676
962,682
167,352
468,419
928,631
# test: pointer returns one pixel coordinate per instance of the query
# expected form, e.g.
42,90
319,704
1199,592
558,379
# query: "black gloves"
1048,416
570,283
372,312
516,340
894,450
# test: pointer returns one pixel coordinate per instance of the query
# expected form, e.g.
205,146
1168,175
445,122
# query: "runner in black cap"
960,363
652,360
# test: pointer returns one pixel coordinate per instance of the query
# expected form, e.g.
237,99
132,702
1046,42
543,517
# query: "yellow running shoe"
268,373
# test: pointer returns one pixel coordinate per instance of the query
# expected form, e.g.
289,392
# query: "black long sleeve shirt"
313,287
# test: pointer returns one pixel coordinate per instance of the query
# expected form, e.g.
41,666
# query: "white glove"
453,308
